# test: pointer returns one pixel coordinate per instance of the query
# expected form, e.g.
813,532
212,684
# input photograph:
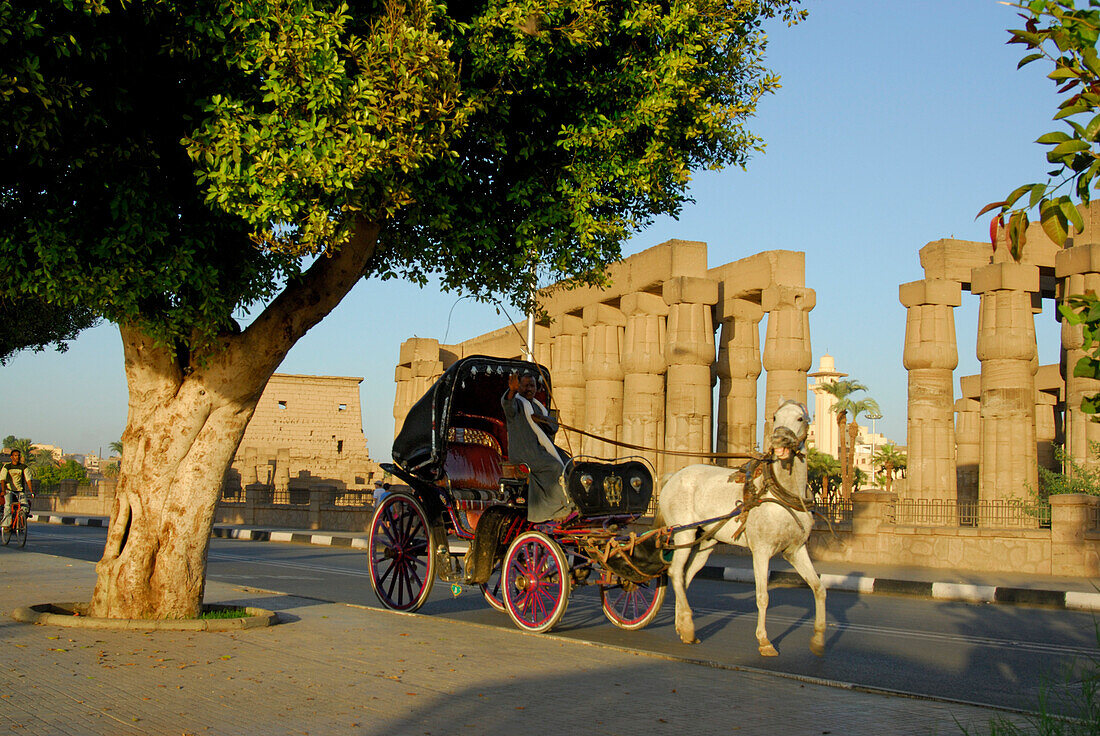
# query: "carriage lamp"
636,483
523,469
586,481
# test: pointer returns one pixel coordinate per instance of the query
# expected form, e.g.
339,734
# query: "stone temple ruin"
988,443
637,362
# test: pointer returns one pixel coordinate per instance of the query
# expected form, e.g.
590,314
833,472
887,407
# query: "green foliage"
52,473
116,447
32,323
166,164
842,390
110,470
821,466
1078,478
889,453
23,444
1065,36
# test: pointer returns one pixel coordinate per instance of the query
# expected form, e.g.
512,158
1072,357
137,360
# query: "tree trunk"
853,432
842,438
185,423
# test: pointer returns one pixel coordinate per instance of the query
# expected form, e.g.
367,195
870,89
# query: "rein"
679,453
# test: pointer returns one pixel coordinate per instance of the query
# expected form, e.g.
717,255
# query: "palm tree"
889,456
23,444
821,470
842,390
116,447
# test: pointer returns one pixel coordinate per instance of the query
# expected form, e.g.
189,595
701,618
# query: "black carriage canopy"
468,392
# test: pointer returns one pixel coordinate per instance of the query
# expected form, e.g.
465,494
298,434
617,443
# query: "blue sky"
897,121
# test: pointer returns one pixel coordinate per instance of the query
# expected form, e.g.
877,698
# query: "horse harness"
751,498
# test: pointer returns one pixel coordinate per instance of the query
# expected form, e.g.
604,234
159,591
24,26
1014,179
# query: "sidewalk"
734,564
339,669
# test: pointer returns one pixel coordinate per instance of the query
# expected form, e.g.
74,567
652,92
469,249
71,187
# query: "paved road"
987,654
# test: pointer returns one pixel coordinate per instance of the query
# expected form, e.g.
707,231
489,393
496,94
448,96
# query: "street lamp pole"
873,416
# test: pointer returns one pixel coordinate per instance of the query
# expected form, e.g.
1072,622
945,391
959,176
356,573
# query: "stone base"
72,615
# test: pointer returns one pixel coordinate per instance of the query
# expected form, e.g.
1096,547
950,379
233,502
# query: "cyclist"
14,478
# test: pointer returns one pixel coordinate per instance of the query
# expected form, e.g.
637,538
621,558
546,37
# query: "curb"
964,592
70,615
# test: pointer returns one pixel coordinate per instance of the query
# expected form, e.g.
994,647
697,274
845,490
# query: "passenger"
531,431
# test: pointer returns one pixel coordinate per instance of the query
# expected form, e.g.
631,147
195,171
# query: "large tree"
36,324
169,163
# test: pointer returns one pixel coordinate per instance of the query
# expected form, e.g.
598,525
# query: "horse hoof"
693,640
818,648
767,650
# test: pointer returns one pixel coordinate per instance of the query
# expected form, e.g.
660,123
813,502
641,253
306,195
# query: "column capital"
690,290
566,324
930,291
1005,277
641,302
798,297
1078,259
604,315
739,310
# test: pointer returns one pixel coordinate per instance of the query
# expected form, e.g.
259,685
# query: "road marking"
801,621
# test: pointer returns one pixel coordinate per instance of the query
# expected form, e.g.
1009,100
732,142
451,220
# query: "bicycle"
18,527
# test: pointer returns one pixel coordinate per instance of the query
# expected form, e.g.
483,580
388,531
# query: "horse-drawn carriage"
452,453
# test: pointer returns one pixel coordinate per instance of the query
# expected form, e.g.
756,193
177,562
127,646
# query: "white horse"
778,524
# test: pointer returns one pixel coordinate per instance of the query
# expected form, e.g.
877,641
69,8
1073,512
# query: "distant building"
823,431
54,450
306,429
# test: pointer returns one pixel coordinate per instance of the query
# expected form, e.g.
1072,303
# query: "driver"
531,432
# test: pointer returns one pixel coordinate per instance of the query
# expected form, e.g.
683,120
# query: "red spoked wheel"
491,589
633,606
535,582
401,558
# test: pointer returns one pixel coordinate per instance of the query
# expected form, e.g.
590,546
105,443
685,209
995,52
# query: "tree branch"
306,301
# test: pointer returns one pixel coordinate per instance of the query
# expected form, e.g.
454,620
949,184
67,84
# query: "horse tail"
658,520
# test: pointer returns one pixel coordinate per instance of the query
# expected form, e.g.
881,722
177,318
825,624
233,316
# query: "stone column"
738,370
1006,348
787,354
968,423
603,378
689,352
930,357
644,375
418,367
1046,426
1078,271
567,357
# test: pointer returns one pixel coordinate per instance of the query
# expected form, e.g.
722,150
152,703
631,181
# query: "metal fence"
86,490
1002,514
232,494
299,497
352,499
836,511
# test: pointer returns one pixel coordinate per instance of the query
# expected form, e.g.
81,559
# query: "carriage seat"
470,466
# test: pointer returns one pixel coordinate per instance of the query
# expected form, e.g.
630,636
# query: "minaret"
825,430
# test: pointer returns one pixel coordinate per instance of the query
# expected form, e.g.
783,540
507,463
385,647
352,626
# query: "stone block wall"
305,428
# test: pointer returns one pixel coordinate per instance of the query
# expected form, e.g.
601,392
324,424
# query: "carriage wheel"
535,582
401,558
491,589
633,606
